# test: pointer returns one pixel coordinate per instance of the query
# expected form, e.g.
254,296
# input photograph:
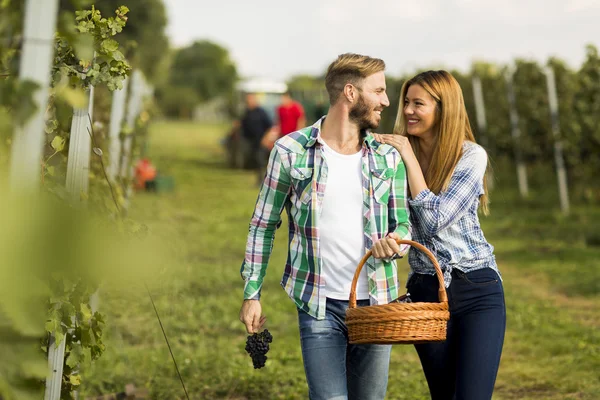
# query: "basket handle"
442,296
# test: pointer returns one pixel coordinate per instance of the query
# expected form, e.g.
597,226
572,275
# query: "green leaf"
86,312
88,338
75,380
58,143
118,56
51,125
109,45
76,356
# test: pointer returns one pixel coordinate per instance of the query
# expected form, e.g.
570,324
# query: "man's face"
372,99
251,101
286,99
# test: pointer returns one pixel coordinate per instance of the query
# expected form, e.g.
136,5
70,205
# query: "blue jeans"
464,367
335,369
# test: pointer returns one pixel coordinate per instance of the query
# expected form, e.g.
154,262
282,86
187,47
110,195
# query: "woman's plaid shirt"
295,181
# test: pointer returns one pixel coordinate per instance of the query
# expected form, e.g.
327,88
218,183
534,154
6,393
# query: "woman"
446,175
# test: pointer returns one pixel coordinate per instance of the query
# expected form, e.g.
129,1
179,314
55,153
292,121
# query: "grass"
550,273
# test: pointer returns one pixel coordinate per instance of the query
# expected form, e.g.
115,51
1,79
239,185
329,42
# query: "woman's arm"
416,180
437,212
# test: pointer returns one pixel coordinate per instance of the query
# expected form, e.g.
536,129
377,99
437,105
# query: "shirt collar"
315,137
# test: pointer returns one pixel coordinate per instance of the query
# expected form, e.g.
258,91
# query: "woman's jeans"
464,367
335,369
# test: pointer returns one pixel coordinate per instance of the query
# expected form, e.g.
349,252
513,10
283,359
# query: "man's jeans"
335,369
464,367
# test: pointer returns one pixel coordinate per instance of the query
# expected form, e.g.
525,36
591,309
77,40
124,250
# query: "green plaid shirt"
296,179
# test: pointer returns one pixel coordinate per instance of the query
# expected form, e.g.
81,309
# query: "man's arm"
265,219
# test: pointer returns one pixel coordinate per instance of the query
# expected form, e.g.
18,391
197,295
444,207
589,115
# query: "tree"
570,127
532,105
177,102
207,68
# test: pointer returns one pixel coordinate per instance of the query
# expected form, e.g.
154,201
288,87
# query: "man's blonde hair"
349,68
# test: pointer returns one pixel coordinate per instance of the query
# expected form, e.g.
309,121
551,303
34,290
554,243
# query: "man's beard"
360,114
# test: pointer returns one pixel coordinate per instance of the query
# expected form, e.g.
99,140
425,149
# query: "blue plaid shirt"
448,224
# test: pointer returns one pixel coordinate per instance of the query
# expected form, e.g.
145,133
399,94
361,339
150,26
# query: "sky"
281,38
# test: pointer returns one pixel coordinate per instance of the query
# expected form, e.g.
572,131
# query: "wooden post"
516,135
80,147
35,65
559,162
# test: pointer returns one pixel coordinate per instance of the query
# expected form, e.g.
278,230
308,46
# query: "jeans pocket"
480,277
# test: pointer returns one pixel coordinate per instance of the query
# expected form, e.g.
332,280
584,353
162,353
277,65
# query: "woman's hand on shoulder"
399,142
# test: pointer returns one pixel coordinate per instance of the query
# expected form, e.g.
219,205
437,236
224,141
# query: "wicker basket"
398,323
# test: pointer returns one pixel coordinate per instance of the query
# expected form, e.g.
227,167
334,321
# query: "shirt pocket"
381,180
302,183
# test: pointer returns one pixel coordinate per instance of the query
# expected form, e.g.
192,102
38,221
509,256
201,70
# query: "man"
344,193
290,114
255,123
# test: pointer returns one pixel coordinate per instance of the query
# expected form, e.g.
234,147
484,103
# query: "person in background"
254,124
290,114
446,175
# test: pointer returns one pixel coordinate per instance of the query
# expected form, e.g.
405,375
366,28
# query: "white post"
516,135
561,173
482,122
480,110
56,356
27,147
36,60
135,96
117,113
78,164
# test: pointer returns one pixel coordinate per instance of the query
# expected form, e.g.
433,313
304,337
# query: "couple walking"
347,190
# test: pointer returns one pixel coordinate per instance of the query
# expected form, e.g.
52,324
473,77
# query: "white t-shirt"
341,225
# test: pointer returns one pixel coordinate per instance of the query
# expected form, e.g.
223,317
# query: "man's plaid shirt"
296,179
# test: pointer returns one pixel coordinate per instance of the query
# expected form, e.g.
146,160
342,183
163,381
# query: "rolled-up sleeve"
265,220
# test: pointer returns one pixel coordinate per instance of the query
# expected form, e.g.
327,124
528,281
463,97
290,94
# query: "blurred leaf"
75,380
86,312
58,143
84,47
109,45
75,97
76,356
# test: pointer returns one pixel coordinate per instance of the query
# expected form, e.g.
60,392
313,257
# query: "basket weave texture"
398,323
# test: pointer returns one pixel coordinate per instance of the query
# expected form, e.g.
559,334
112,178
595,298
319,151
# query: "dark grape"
257,345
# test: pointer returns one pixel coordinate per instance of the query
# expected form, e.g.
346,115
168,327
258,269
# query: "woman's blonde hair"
452,125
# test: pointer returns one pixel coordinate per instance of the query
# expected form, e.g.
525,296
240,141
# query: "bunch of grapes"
257,346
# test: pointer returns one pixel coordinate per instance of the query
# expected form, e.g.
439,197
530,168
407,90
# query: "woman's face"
420,111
